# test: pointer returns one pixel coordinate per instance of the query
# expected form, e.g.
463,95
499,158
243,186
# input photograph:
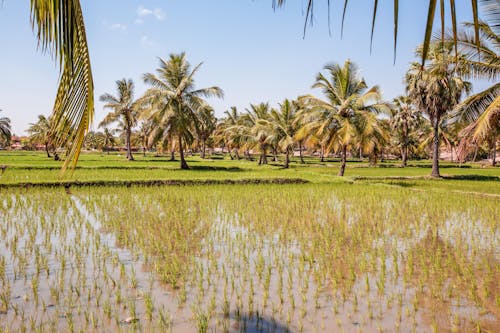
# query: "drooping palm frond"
60,28
490,7
470,109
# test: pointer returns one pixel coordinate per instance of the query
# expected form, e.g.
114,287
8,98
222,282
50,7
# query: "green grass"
35,167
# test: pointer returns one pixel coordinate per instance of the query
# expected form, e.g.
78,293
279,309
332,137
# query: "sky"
254,53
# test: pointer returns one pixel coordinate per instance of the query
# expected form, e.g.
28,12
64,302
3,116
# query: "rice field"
367,256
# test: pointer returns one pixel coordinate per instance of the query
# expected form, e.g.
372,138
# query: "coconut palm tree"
347,114
125,110
283,126
254,128
5,129
174,100
404,118
435,90
205,126
41,132
109,139
228,132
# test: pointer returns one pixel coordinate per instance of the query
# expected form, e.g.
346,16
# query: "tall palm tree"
5,129
41,132
403,120
125,110
174,99
435,90
348,111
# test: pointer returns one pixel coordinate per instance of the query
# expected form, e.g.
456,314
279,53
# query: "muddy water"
63,270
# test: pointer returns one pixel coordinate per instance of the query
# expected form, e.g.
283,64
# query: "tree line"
350,118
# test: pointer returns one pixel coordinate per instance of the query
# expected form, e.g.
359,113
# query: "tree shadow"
472,177
213,168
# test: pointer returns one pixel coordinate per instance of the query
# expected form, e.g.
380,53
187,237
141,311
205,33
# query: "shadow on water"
253,323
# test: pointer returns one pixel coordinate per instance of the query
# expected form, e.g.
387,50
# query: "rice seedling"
301,257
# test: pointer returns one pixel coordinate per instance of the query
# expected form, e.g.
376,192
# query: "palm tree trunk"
47,149
287,159
322,154
404,156
237,155
343,160
300,153
475,152
181,152
494,157
435,155
263,156
202,149
129,149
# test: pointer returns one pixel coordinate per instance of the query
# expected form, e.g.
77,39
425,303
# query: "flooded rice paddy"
253,258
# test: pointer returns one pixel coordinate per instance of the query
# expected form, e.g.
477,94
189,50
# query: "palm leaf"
60,30
375,6
396,16
428,29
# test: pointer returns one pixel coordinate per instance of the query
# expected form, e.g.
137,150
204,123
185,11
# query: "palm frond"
60,30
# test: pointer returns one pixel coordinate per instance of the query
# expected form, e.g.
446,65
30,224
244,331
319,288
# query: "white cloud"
146,41
118,27
143,12
159,14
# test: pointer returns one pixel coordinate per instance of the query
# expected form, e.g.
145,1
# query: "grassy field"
33,167
384,249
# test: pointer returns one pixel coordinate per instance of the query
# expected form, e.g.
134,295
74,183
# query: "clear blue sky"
252,52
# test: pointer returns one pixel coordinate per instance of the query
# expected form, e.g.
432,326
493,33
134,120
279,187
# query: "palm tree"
404,119
253,126
480,113
205,126
347,114
435,90
228,132
109,139
146,129
41,132
284,125
5,129
174,100
125,110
